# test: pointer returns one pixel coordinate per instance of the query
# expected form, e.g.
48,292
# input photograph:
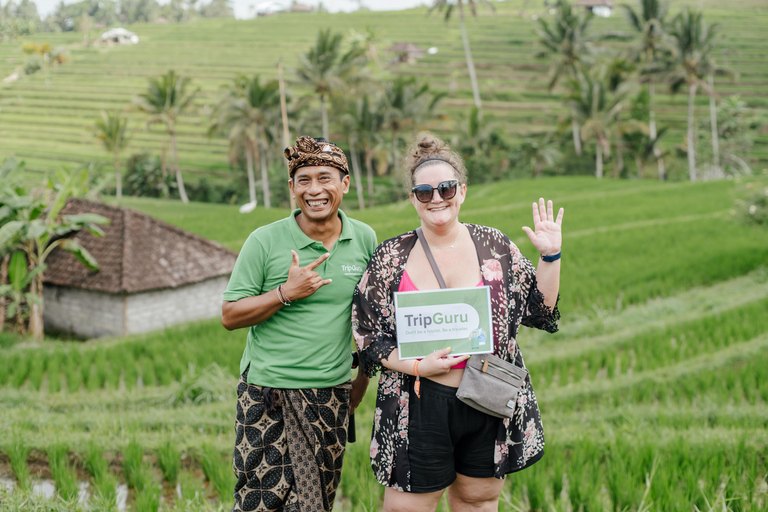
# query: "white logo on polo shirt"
352,270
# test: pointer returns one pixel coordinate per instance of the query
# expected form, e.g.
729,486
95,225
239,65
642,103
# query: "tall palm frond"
247,110
407,105
112,130
596,108
168,97
327,68
694,43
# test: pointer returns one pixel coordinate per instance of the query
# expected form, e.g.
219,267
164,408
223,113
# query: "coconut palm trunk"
652,131
264,171
599,159
358,177
691,147
249,153
324,114
468,56
713,124
177,167
369,174
118,178
576,133
395,155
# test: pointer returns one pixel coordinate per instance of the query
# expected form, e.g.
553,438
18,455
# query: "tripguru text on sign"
437,319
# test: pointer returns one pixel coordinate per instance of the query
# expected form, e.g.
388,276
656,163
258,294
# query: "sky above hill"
244,7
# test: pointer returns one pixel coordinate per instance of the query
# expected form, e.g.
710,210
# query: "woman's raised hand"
546,235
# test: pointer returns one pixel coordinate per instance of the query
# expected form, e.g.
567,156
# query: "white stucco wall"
85,313
158,309
95,314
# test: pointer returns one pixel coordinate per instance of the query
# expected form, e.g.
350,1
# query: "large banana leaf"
81,253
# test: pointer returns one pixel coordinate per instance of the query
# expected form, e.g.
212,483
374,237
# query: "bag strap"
431,259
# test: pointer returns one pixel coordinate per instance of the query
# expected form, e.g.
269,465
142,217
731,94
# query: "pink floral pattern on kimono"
515,301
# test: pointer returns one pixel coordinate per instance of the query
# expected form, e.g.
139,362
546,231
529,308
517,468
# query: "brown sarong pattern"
289,459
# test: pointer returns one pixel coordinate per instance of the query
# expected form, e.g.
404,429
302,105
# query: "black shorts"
446,437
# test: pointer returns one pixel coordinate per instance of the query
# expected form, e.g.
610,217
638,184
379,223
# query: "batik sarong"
288,457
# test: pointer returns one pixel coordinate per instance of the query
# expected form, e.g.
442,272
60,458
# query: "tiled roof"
136,254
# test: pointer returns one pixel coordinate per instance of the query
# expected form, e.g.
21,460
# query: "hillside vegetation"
47,118
653,393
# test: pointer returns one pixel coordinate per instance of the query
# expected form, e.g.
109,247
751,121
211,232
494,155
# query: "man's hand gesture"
303,281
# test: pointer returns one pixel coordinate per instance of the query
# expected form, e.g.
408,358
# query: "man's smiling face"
318,191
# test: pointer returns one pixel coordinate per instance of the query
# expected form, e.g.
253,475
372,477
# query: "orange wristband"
417,384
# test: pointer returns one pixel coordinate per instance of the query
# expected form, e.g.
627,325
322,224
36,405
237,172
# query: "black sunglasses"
446,189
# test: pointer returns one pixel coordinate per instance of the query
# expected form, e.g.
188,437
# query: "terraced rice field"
653,393
47,119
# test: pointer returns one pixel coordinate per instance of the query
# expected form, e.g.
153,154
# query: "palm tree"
596,108
407,104
652,49
247,110
568,42
112,131
694,42
327,69
445,4
168,97
539,152
363,121
643,148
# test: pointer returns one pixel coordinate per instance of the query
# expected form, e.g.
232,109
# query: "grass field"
47,119
653,393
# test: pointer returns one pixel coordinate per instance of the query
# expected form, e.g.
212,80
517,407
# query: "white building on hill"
120,36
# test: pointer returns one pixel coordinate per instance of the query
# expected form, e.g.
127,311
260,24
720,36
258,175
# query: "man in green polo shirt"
292,286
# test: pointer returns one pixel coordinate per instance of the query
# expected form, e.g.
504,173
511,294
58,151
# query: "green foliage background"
47,118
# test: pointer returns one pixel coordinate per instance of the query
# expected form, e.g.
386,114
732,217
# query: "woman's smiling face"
438,211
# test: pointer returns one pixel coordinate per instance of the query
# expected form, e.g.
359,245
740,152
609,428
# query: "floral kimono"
515,300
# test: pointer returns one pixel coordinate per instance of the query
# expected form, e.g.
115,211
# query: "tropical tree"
694,42
362,122
566,40
653,50
448,6
327,68
538,152
34,224
246,111
112,131
596,109
168,97
407,104
19,280
643,148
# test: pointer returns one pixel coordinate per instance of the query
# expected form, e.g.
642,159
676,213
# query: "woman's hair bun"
426,147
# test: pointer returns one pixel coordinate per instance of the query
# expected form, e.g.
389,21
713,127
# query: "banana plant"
19,279
36,225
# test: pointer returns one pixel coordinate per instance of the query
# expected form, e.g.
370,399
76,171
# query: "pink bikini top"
406,285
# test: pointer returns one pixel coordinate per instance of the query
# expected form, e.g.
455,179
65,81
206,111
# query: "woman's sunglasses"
446,189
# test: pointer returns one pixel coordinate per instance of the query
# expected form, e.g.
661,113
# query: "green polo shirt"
307,344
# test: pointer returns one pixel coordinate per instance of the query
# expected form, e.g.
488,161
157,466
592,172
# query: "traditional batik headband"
309,151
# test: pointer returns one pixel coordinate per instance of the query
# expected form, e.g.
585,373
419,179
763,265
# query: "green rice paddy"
653,393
